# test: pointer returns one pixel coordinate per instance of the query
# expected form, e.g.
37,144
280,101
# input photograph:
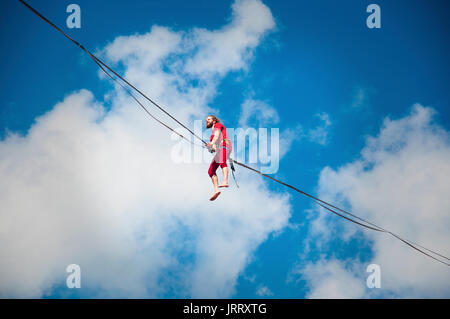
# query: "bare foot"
214,196
224,185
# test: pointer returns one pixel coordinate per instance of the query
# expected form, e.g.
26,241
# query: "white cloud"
263,115
264,291
332,279
144,51
288,137
319,134
400,183
361,98
99,189
231,47
260,111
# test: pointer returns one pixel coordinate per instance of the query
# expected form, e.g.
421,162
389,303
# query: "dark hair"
214,118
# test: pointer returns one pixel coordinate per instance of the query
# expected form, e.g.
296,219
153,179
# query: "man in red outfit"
219,143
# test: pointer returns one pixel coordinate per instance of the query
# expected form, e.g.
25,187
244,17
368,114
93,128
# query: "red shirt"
222,137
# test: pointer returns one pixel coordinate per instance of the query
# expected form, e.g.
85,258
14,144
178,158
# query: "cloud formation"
400,182
231,47
319,134
98,188
264,291
332,279
259,111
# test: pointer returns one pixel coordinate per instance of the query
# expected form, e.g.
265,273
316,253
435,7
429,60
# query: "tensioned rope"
137,100
364,223
99,63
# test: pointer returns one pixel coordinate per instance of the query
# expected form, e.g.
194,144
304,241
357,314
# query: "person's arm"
212,145
216,137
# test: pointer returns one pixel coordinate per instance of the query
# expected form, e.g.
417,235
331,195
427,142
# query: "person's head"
211,120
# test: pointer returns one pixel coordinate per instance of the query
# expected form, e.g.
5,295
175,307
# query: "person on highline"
221,145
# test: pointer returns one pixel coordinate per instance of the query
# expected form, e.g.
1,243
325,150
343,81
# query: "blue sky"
319,59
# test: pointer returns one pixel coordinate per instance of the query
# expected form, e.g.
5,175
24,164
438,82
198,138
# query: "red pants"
219,160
